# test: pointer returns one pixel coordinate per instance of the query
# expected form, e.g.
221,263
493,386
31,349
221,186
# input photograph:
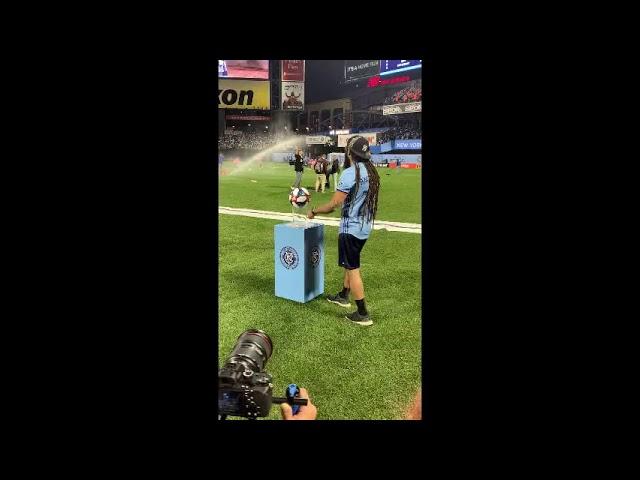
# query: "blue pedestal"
299,257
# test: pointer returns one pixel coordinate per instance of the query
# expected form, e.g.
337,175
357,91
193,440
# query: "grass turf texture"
351,372
399,199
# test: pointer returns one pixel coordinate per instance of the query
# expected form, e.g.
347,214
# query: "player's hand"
306,412
310,214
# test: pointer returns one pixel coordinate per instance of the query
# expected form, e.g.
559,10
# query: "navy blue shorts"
349,248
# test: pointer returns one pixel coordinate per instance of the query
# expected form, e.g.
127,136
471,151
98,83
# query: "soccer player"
358,194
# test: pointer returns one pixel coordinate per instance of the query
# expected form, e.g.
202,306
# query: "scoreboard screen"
254,69
389,67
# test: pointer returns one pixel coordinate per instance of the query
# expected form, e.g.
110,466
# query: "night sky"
324,79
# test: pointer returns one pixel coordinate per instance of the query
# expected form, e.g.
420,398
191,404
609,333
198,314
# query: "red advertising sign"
378,82
404,165
293,70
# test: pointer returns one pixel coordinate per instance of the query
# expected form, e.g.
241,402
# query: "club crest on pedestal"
289,258
315,256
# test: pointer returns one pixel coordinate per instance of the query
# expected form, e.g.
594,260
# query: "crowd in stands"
400,133
249,140
406,95
261,140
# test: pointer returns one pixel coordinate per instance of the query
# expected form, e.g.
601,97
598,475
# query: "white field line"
333,222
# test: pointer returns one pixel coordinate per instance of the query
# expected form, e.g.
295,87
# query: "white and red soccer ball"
299,197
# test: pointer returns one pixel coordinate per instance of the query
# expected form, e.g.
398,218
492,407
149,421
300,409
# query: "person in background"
327,170
335,169
320,168
220,160
298,167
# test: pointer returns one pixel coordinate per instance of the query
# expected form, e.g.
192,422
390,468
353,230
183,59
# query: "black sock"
362,309
344,293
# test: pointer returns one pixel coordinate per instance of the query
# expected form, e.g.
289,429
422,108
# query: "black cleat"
338,300
355,317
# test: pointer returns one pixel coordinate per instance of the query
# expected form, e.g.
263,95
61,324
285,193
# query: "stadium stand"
400,133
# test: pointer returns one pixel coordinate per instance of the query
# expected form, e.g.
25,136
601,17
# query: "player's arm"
337,200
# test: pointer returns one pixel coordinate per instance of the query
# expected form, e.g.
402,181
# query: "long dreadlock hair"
370,206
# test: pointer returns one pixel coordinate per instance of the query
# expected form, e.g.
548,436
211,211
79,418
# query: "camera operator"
245,388
306,412
299,168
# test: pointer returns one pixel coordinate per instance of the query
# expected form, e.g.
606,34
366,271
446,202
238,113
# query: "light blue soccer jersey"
352,221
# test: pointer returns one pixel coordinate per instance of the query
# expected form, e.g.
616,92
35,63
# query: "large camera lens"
253,349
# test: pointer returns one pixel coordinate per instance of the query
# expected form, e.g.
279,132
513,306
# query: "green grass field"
400,192
351,372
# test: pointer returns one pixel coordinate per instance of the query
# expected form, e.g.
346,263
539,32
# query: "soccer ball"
299,197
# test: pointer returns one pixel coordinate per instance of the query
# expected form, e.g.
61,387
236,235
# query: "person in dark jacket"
327,171
332,170
298,167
